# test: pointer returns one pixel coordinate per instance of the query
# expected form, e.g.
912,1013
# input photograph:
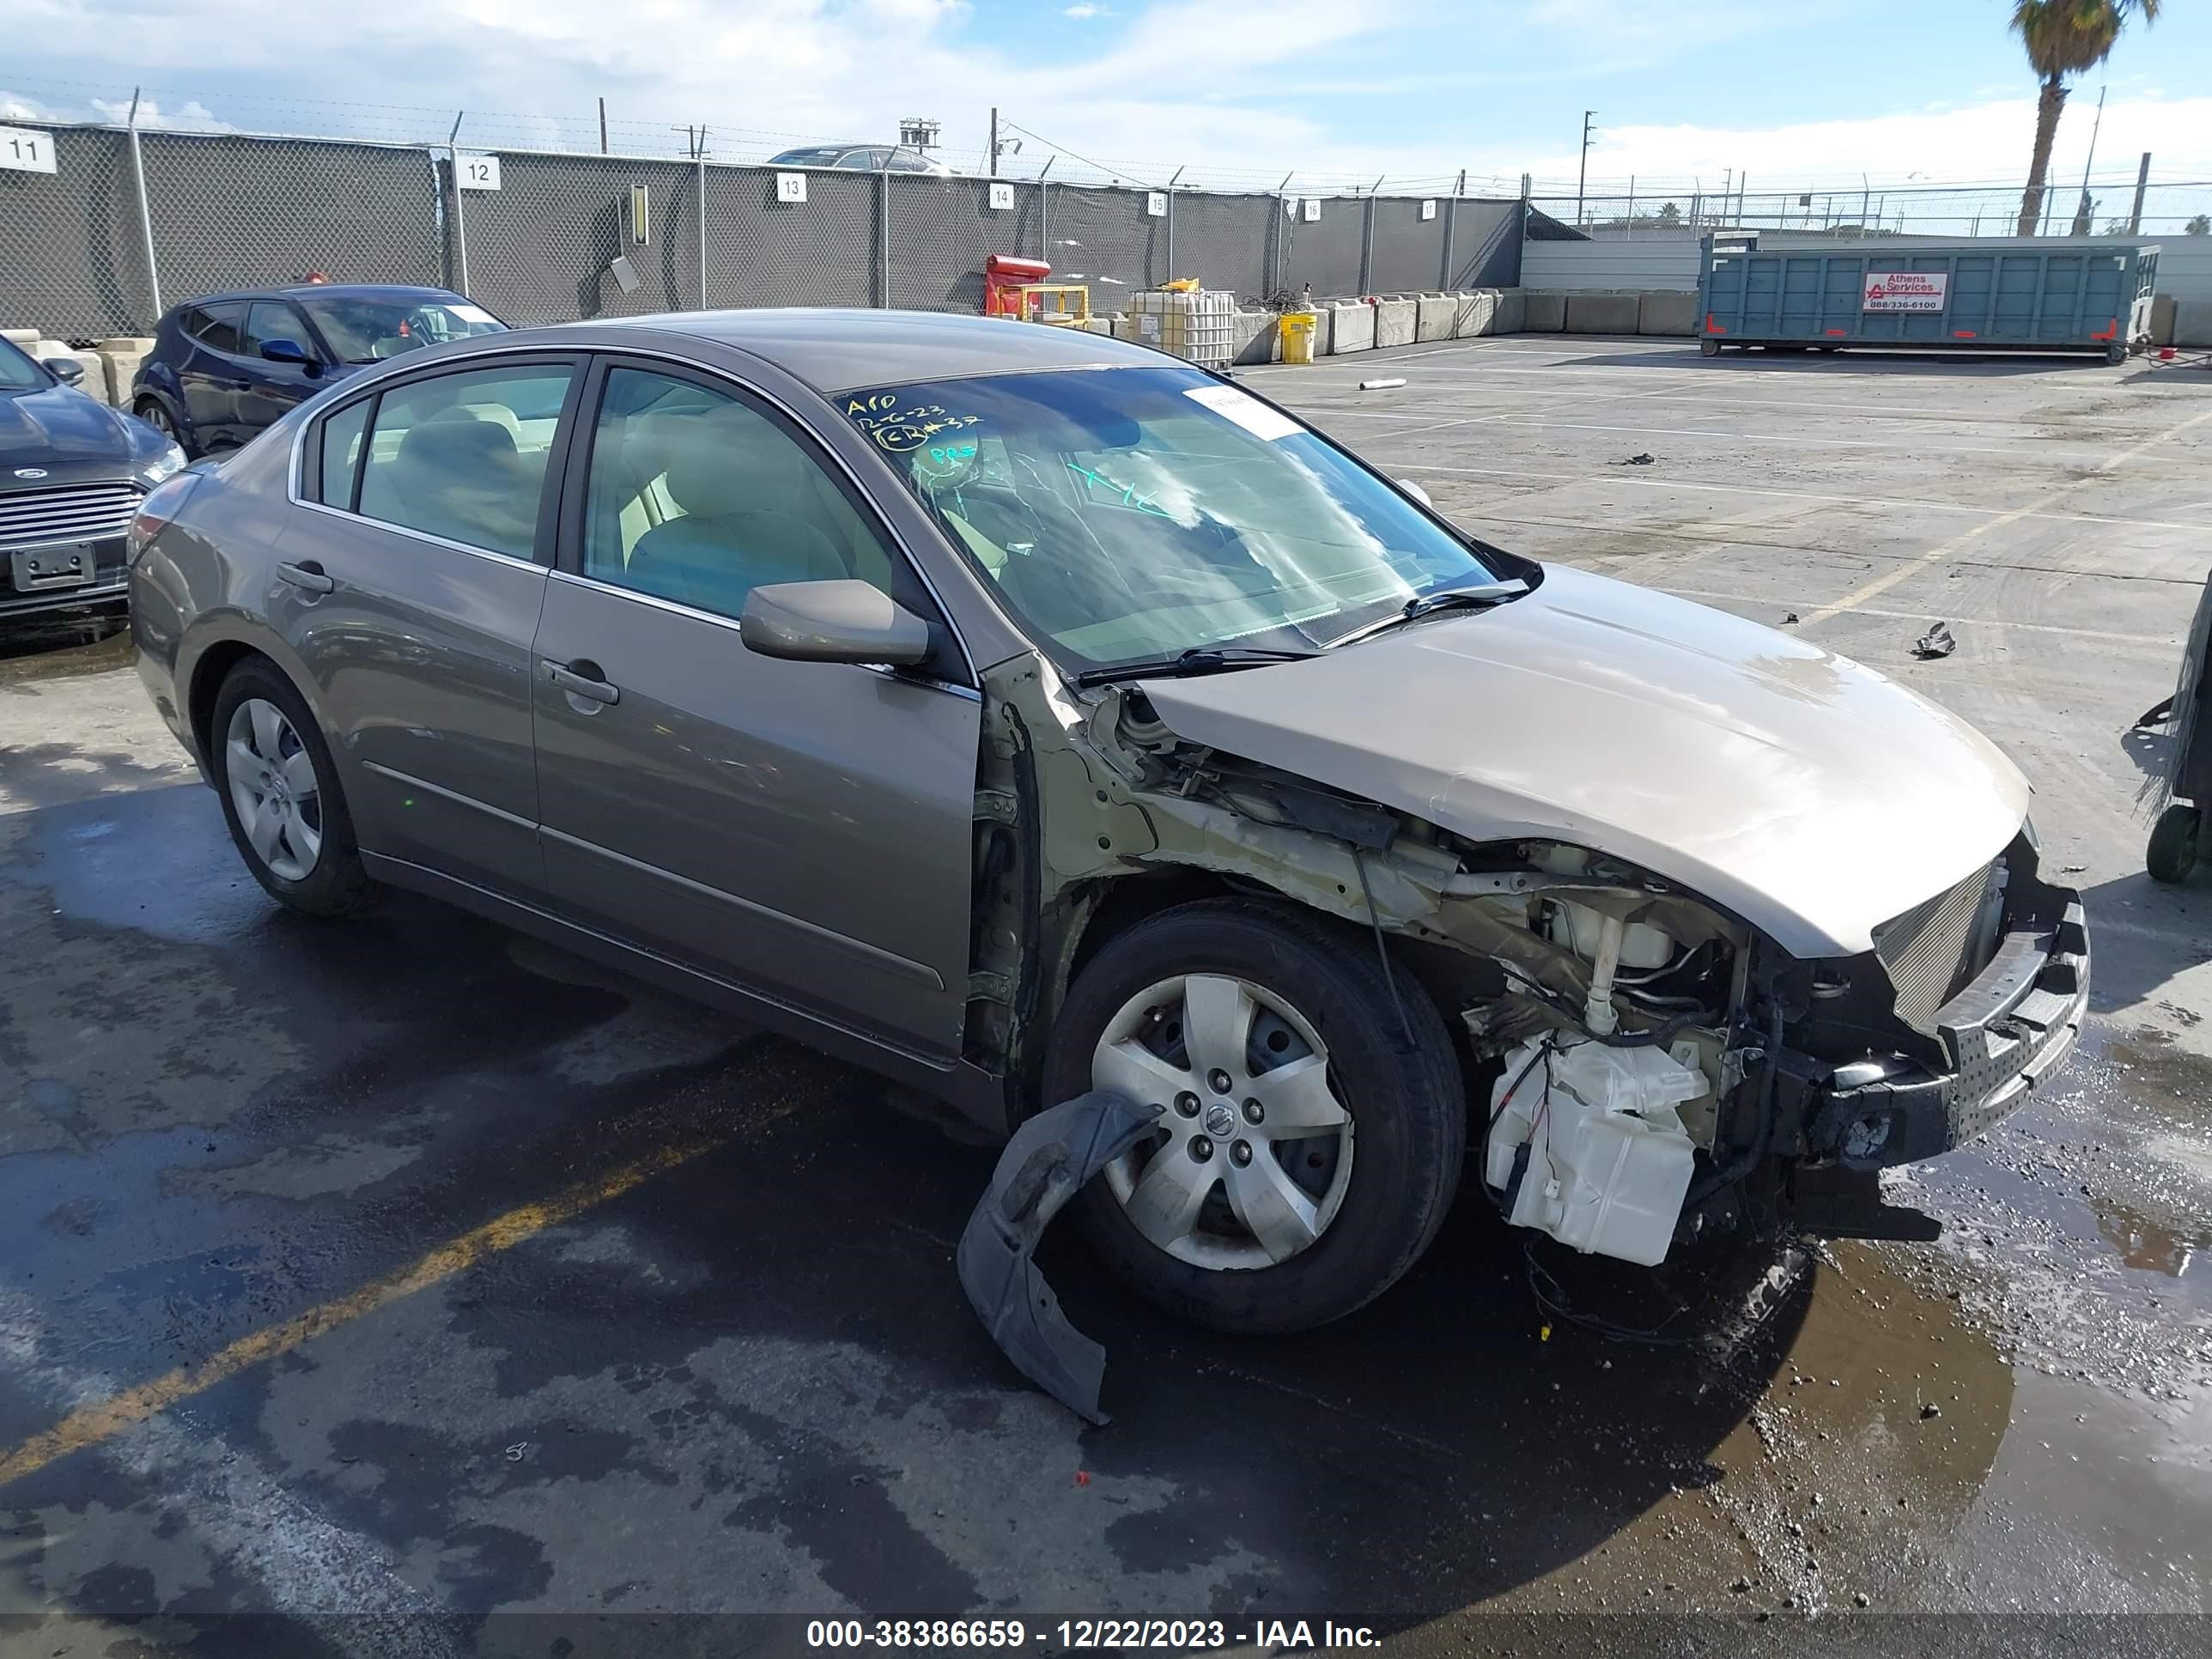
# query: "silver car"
1017,711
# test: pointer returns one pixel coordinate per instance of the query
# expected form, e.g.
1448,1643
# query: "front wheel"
1306,1152
1709,348
2171,854
155,414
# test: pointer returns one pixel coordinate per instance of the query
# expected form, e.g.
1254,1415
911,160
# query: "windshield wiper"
1478,597
1198,660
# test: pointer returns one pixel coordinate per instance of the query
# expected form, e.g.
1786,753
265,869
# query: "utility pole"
2143,182
602,126
1582,174
994,141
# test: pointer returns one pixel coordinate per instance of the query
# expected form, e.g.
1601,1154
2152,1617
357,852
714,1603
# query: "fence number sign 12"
1905,290
26,149
479,171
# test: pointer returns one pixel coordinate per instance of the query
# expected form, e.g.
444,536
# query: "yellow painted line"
1882,584
92,1425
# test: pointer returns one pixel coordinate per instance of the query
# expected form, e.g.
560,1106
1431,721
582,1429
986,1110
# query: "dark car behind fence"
132,221
2009,295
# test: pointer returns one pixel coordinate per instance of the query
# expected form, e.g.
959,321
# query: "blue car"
225,366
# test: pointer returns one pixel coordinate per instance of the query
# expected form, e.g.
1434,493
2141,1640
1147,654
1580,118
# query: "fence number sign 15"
26,149
1905,290
479,171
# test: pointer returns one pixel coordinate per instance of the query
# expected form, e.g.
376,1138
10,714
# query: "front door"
410,586
212,376
801,828
273,389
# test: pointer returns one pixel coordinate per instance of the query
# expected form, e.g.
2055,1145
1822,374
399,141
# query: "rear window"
219,326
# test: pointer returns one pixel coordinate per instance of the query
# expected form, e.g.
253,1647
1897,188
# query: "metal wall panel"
942,230
761,252
1106,239
69,241
1323,254
540,246
1226,241
1585,267
1408,250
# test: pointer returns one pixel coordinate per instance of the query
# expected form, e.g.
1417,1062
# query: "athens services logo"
30,472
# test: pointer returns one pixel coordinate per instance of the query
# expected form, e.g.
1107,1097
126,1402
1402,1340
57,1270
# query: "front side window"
272,320
366,328
463,456
696,497
1130,513
18,372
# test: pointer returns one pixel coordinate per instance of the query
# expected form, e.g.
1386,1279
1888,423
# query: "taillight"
161,505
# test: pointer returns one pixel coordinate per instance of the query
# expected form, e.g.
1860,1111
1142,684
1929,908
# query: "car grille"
71,512
1935,948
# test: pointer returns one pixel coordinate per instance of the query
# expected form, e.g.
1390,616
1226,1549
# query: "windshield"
362,328
18,372
1130,513
821,156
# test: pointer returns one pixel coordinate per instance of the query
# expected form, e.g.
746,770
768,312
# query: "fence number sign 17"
478,172
26,149
1905,290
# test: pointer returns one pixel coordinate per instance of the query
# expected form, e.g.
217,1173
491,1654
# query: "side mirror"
287,351
67,370
1414,491
843,621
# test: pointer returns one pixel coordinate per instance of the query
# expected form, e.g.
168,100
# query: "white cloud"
1079,12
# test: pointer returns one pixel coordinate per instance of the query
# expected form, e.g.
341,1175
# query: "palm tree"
2064,38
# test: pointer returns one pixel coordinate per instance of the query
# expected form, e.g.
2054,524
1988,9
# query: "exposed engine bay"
1643,1067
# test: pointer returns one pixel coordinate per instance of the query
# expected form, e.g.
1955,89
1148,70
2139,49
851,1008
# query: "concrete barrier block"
1512,311
1123,327
118,366
25,337
2192,323
1396,322
1544,311
1352,327
1256,338
2163,319
1668,312
1438,317
1603,313
126,342
1097,325
1474,313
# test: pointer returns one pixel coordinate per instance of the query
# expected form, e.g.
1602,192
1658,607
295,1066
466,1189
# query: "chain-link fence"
128,222
2106,206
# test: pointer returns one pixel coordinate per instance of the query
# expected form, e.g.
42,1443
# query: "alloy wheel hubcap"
1252,1154
273,789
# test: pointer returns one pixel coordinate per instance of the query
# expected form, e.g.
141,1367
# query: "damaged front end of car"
1643,1065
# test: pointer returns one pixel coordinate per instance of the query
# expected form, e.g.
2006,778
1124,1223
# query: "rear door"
212,377
273,389
410,586
800,828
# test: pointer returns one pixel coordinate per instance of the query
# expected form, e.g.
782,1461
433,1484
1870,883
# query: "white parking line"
2162,642
1918,414
1523,475
1888,579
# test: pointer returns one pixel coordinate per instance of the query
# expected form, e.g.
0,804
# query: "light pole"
1582,174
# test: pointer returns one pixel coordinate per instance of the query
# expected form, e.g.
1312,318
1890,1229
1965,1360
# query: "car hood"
1813,796
60,427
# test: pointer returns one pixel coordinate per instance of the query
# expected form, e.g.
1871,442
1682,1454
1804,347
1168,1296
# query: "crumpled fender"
1044,1166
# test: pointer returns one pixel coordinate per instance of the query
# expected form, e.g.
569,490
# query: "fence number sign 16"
479,171
26,149
1905,290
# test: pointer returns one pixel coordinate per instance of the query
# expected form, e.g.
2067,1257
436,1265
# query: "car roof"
408,290
836,350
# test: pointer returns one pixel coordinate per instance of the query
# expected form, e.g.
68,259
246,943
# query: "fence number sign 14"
26,149
1905,290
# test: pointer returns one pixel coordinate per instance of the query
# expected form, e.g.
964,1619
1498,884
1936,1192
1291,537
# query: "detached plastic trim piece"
1046,1163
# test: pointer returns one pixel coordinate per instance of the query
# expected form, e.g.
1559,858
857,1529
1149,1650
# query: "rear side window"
219,326
341,453
463,456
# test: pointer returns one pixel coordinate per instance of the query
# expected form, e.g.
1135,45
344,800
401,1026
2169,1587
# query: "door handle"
580,679
307,576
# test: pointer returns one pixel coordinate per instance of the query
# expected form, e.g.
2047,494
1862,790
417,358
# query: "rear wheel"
2171,854
280,793
1709,348
155,414
1305,1154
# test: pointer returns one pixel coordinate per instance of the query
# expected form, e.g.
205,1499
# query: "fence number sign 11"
1905,290
479,171
26,149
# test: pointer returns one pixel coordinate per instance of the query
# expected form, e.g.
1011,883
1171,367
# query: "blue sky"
1801,91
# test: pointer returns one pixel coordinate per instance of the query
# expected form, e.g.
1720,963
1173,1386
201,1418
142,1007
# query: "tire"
155,414
1709,348
2172,853
332,881
2116,353
1364,1219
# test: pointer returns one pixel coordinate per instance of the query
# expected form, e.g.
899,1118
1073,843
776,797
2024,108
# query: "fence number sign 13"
26,149
479,171
1905,290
